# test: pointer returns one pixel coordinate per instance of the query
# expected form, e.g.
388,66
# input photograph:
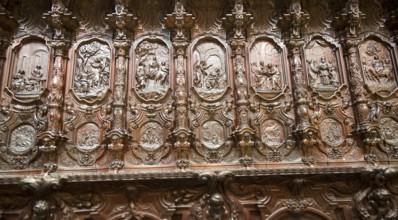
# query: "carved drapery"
230,109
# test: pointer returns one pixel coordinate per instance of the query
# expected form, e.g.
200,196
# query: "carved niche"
210,105
30,70
377,66
266,67
322,68
152,78
91,79
151,108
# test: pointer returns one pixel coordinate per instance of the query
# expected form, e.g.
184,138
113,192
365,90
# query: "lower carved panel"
240,194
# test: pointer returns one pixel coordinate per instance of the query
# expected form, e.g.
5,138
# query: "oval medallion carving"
331,132
389,128
151,136
272,133
152,70
23,139
88,136
212,134
92,73
210,78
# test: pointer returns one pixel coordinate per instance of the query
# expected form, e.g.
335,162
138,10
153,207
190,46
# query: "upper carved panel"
322,65
91,79
377,66
31,70
152,69
266,67
210,78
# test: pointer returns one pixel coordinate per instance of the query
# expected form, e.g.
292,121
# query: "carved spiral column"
180,22
292,22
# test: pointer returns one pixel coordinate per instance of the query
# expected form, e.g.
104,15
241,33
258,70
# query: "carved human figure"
267,77
216,209
19,81
152,71
182,146
323,73
246,145
379,71
379,200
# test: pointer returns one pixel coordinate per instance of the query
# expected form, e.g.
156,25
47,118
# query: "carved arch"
308,214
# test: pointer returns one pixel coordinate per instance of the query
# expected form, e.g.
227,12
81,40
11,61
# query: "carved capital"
179,22
122,21
238,21
294,20
61,20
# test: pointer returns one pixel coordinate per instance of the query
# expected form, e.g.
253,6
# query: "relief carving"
151,138
265,67
377,66
331,132
212,135
31,70
322,66
88,136
92,74
23,139
389,128
152,71
272,133
210,78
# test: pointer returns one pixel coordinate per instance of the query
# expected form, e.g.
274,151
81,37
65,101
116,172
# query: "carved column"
236,24
292,22
123,22
62,21
348,23
180,22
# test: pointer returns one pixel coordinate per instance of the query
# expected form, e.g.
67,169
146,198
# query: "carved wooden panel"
176,109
